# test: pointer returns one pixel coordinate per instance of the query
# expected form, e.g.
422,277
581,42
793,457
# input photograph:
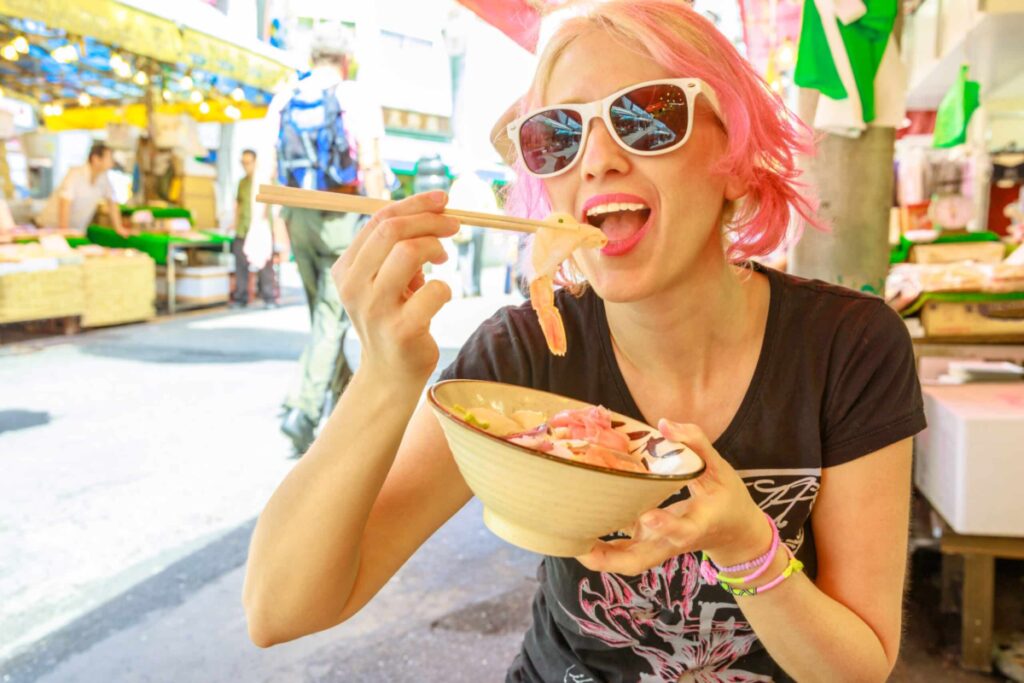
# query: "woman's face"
648,250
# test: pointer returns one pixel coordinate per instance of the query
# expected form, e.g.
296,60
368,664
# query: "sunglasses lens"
652,117
550,140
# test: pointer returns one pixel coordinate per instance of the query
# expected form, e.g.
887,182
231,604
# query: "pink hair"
764,137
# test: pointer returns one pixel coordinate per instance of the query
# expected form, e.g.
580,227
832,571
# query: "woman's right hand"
382,286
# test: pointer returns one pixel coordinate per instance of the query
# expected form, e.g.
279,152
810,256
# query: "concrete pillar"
853,179
228,174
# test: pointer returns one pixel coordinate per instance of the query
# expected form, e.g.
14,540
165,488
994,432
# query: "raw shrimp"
551,247
585,435
542,298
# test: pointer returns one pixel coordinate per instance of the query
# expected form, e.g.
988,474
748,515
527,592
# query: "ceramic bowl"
542,502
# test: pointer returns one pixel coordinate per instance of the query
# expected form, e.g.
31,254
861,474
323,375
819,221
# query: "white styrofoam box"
7,130
970,460
207,283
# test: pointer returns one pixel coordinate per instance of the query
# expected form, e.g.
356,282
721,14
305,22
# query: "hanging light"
65,54
20,44
238,94
196,97
141,78
186,82
84,100
204,108
10,53
232,112
120,66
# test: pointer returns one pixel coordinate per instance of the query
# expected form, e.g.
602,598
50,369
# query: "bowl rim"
650,476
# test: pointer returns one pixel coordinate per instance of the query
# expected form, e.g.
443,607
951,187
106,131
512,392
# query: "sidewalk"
127,449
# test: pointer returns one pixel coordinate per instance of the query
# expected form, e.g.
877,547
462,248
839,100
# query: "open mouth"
623,223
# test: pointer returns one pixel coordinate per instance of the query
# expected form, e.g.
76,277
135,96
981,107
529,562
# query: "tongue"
622,225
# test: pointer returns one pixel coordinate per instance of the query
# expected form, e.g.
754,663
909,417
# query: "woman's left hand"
719,518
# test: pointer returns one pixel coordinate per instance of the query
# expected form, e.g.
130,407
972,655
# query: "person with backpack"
326,133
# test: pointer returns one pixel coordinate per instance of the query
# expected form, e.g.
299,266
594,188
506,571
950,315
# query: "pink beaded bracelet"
792,567
712,573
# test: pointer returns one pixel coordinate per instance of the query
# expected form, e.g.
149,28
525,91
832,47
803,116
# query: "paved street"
134,462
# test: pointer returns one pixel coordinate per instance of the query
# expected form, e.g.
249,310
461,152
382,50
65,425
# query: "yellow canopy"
146,34
91,118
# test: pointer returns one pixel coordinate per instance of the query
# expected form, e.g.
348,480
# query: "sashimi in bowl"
555,474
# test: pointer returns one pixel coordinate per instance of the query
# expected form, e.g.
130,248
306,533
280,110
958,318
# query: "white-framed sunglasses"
649,118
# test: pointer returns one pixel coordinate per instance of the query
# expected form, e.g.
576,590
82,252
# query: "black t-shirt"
835,380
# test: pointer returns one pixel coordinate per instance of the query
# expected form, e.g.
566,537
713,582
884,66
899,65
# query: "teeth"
613,207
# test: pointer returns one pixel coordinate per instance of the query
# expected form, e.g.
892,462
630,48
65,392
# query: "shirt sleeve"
495,352
363,111
266,149
873,396
68,186
108,189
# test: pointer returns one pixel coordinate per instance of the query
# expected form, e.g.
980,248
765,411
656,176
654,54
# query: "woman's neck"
677,334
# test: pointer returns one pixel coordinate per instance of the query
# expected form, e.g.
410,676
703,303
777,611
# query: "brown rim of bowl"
557,458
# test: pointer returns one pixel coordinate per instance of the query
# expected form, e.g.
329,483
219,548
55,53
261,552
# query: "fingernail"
438,197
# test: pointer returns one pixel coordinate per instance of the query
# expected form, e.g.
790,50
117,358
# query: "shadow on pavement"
224,345
169,588
13,420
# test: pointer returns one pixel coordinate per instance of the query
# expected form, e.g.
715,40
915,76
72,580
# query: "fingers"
632,557
418,203
391,234
622,557
424,304
418,280
404,262
694,438
658,535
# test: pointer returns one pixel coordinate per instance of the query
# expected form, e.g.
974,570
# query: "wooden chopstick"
333,201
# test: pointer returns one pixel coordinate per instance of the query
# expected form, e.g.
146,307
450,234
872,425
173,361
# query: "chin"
621,287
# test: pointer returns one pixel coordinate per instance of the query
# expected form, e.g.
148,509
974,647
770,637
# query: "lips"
624,246
623,218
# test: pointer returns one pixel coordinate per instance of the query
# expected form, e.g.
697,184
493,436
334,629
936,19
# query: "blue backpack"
313,150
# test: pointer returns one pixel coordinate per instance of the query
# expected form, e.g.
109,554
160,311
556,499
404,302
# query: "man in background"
324,105
73,206
243,220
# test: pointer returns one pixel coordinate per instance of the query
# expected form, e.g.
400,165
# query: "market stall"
957,277
146,75
88,286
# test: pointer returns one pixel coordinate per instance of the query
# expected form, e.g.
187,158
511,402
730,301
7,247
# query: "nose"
601,154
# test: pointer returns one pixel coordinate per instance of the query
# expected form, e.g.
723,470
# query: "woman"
800,396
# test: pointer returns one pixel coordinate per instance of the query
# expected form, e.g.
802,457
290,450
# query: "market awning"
94,118
84,55
194,35
518,19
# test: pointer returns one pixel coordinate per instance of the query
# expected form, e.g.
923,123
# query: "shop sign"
106,21
402,120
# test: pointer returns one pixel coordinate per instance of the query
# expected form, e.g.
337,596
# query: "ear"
499,137
734,187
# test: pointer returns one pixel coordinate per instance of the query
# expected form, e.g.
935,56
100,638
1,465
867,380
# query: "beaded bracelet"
712,573
793,567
